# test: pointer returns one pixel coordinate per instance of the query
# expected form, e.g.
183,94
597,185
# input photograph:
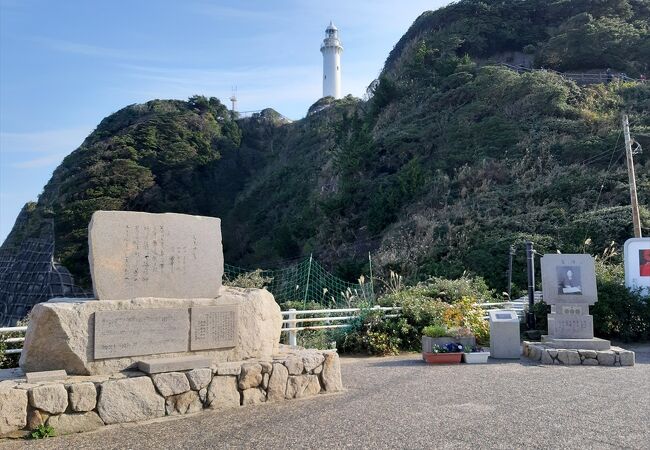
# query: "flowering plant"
473,349
447,348
460,332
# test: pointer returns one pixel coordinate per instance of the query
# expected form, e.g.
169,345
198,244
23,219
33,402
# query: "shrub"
370,333
382,343
444,290
619,312
3,348
421,312
466,314
435,331
541,311
451,291
442,302
320,339
253,279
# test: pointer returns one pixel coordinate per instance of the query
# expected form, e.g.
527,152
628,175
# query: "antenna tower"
233,99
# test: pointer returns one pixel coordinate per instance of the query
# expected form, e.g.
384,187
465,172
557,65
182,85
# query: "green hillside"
450,161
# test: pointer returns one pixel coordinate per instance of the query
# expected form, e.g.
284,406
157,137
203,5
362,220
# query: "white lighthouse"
331,49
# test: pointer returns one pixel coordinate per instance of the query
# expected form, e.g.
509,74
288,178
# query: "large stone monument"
162,337
569,286
157,282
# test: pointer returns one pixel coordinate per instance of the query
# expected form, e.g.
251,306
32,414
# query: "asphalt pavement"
400,402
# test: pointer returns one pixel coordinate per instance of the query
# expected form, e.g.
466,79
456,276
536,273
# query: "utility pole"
636,221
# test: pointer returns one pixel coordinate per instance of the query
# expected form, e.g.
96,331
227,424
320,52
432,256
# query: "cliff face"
446,165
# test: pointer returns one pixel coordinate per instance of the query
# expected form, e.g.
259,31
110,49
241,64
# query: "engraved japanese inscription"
141,332
135,254
214,327
568,326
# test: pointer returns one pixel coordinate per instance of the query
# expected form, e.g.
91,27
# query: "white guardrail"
291,320
13,340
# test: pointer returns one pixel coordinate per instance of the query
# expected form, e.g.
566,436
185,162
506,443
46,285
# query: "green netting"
308,282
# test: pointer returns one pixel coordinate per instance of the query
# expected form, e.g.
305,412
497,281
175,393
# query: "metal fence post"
293,334
530,265
304,303
372,283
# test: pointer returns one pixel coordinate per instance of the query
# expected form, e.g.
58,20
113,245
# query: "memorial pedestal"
89,337
577,344
570,326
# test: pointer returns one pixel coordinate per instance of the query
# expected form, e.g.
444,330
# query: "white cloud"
96,51
50,141
38,163
234,13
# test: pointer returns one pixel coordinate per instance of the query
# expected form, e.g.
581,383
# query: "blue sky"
65,65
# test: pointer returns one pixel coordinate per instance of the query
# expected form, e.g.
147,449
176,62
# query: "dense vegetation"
449,162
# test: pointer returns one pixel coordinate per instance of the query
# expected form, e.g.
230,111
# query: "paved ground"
402,403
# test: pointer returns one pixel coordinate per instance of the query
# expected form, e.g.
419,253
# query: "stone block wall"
84,403
550,355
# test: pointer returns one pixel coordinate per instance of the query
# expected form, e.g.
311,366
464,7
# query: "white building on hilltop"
331,49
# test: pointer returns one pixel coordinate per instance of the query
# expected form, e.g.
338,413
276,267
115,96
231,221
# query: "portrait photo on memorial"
644,262
568,280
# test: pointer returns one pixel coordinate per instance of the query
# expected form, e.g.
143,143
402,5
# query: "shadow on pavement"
417,361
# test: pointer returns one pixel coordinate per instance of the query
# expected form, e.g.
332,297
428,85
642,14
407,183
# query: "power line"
602,185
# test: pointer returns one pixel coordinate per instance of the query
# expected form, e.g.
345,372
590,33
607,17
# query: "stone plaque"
214,327
141,332
570,309
569,279
134,254
570,326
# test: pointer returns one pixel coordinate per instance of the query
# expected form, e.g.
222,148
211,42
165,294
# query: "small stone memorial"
569,286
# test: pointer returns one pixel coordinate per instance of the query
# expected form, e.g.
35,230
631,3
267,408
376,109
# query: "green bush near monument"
619,313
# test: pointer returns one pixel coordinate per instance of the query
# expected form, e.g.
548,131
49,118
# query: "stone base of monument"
91,337
577,344
84,403
550,353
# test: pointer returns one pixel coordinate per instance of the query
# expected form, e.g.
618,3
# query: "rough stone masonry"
84,403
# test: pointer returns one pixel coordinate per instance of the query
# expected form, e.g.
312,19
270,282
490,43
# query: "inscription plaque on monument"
141,332
571,326
214,327
134,254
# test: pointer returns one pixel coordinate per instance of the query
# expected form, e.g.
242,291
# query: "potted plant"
444,354
440,335
475,355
